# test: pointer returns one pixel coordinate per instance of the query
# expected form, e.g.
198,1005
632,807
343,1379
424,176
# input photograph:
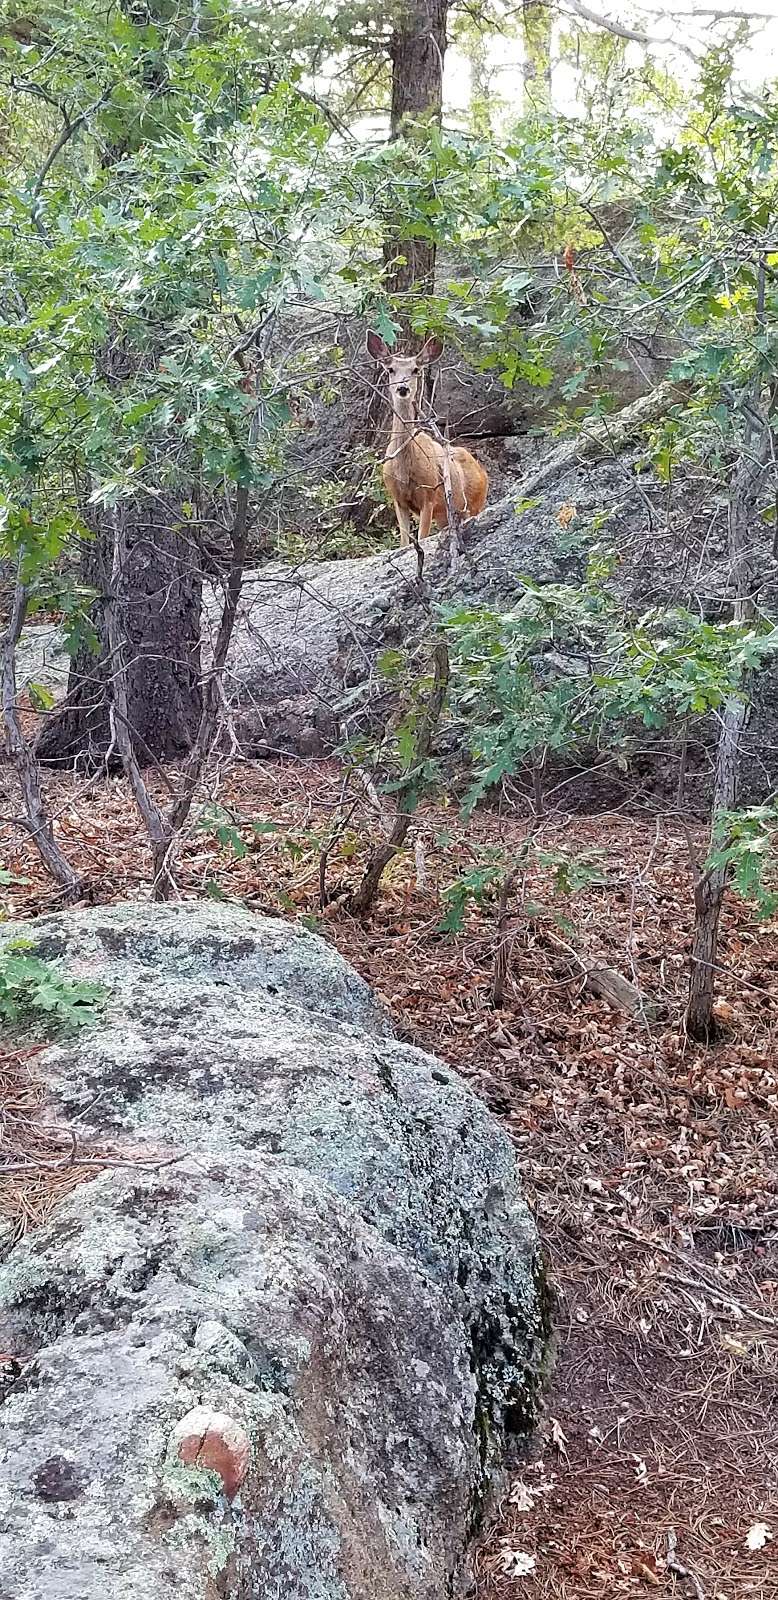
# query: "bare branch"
634,35
69,130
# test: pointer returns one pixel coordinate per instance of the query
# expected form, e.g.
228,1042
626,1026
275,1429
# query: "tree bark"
36,821
162,582
417,53
710,884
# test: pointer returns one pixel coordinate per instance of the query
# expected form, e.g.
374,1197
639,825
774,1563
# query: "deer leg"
425,520
403,516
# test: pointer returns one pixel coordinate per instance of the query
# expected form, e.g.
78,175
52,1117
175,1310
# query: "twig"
335,837
363,897
701,1284
76,1160
678,1567
502,952
68,132
618,254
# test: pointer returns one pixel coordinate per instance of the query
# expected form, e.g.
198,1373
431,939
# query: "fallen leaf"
758,1535
521,1497
642,1570
517,1563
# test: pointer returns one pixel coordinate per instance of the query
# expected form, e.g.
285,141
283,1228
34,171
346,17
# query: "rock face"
287,1363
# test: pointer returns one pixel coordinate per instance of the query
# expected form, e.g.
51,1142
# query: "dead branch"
609,985
504,941
68,132
608,437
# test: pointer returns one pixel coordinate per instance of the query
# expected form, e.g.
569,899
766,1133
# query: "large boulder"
281,1346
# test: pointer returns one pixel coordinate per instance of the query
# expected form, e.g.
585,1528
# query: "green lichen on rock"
341,1261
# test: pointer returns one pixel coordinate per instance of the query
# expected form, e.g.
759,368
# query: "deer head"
405,373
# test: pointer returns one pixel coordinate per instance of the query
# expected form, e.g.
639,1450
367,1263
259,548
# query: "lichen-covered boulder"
279,1351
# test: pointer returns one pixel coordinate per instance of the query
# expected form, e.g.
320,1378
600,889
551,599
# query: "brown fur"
413,465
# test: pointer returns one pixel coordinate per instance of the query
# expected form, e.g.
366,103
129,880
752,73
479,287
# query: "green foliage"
194,199
480,885
222,825
229,833
34,993
477,887
750,854
568,670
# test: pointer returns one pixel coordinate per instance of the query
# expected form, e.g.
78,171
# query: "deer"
413,469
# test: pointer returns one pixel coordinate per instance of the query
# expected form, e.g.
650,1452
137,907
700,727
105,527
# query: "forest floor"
651,1165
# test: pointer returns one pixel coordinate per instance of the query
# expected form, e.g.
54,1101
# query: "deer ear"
376,347
431,350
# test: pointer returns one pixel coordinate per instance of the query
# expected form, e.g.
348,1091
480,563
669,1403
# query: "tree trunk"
711,884
36,821
417,52
163,585
537,23
362,899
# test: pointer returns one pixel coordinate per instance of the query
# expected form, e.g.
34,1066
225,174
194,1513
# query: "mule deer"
414,461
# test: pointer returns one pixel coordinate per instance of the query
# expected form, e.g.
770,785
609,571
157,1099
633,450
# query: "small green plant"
750,854
478,887
494,875
226,829
34,991
569,670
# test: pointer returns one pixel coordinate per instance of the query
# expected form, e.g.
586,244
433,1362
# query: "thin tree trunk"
710,884
364,895
480,86
117,639
417,52
163,828
37,822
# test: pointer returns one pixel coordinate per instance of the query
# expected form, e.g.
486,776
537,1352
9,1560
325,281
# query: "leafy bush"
495,870
569,670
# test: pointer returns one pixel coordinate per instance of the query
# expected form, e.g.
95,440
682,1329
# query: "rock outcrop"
302,666
281,1348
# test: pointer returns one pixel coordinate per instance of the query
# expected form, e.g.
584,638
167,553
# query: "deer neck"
402,440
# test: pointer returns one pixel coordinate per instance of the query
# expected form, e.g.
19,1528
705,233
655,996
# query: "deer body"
414,464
